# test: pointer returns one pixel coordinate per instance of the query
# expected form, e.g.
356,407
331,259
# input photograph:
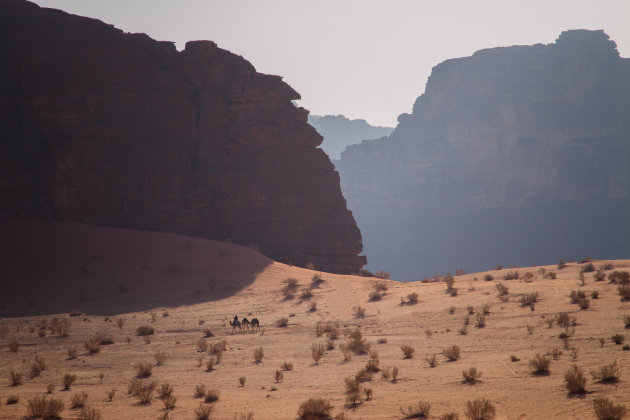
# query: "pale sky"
360,58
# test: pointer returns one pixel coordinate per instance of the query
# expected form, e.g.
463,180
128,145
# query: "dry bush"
50,388
480,320
357,343
626,321
488,277
218,347
608,373
365,273
529,299
576,296
312,307
561,264
374,296
346,350
208,333
363,375
353,398
381,275
210,364
607,410
595,294
480,409
575,380
72,353
45,408
110,394
395,372
428,333
371,365
563,319
61,326
120,323
624,291
584,304
450,281
13,399
259,354
530,329
144,392
202,345
418,410
200,391
316,280
14,346
451,353
165,390
618,338
314,408
556,353
79,399
286,366
511,275
408,351
282,322
306,294
92,345
351,384
470,309
290,283
432,360
587,268
68,380
359,311
169,402
15,378
386,373
368,393
621,277
203,412
514,358
540,364
242,380
382,341
463,330
549,322
471,375
145,330
550,275
278,376
160,357
502,288
450,416
317,351
143,370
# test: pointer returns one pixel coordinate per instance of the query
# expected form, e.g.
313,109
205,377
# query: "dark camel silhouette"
235,324
255,324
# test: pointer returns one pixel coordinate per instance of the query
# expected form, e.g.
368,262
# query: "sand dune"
181,286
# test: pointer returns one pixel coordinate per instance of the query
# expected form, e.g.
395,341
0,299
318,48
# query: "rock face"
340,132
514,155
120,130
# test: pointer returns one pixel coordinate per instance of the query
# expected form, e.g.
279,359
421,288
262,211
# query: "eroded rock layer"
516,155
120,130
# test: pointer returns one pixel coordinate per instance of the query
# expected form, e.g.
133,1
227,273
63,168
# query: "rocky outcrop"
514,155
340,132
120,130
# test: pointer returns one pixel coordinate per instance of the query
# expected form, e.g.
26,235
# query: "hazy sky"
361,58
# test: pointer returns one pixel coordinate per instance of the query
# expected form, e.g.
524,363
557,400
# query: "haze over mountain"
340,132
120,130
517,155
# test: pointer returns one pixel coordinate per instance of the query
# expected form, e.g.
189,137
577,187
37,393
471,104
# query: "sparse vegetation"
160,357
608,373
605,409
143,370
540,364
314,408
575,380
624,291
480,320
471,375
359,311
242,380
79,399
529,299
618,338
511,275
282,322
110,394
278,376
587,268
432,360
68,380
45,408
451,353
286,366
357,343
212,395
145,330
203,412
15,378
317,351
408,351
502,288
481,409
419,410
621,277
259,354
92,345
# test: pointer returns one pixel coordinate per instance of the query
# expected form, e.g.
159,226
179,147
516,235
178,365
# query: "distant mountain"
517,155
340,132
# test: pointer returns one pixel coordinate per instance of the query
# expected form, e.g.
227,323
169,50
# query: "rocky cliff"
516,155
340,132
117,129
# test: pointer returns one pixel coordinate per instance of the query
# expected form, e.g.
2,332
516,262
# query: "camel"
246,324
235,324
255,324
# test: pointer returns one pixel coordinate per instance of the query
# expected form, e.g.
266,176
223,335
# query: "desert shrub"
480,409
450,281
608,373
218,347
312,307
514,358
286,366
79,399
258,354
315,408
212,395
317,351
381,274
576,296
587,268
203,412
488,277
471,375
511,275
72,353
316,280
278,376
463,330
380,286
624,291
359,311
288,293
530,329
556,353
395,372
68,380
202,345
144,392
200,391
14,346
15,378
450,416
368,393
374,296
432,360
351,384
529,299
618,338
165,390
282,322
92,346
540,364
607,410
143,370
353,398
363,375
561,264
407,351
594,294
372,365
209,364
357,343
563,319
290,283
418,410
599,275
13,399
145,330
451,353
575,380
110,394
550,275
412,298
481,321
453,291
45,408
502,288
169,402
584,304
242,380
160,357
306,294
621,277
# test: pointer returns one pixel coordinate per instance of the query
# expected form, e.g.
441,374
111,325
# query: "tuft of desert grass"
200,391
78,400
282,322
169,402
160,357
15,378
359,311
278,376
605,409
575,380
540,364
608,373
286,366
408,351
164,390
110,394
314,408
145,330
242,380
529,299
143,370
203,412
144,392
68,380
502,288
259,354
618,338
419,410
432,360
450,416
480,409
317,352
89,413
92,345
210,364
451,353
357,343
480,320
44,407
471,375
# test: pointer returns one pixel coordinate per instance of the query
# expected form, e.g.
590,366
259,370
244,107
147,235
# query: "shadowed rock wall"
120,130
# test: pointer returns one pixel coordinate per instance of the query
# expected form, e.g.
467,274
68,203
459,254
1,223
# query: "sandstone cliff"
516,155
340,132
117,129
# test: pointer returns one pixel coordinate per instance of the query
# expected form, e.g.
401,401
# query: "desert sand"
182,286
